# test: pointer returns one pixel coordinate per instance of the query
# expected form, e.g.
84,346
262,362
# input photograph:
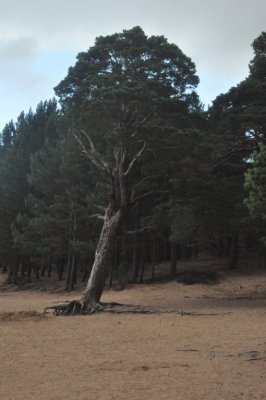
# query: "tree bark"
68,269
173,261
234,251
37,271
4,269
122,196
43,270
72,273
103,258
135,260
49,269
142,260
154,259
29,271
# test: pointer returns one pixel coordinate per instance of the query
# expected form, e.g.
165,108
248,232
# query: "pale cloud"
21,50
216,34
17,71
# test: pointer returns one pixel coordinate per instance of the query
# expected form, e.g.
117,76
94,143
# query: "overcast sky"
39,40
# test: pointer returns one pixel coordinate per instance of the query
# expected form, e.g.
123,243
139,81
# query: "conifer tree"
20,140
129,97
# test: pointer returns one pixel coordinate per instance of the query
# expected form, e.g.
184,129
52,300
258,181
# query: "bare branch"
138,185
116,155
91,153
141,197
84,150
136,231
136,158
101,208
244,147
88,153
133,134
147,178
90,142
100,216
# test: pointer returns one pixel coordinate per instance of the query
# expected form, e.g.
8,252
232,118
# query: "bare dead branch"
220,160
96,154
116,155
136,231
90,142
147,178
88,153
141,197
136,158
99,216
91,153
101,208
135,132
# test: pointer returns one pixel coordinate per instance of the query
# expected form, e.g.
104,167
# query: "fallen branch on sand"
255,359
189,350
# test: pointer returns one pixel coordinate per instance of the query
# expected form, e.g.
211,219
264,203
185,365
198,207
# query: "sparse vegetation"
193,276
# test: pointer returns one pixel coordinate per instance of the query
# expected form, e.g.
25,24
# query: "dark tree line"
128,170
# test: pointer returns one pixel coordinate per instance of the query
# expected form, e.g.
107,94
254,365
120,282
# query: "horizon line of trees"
192,179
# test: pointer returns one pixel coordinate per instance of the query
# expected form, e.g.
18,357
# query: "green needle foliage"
255,185
190,178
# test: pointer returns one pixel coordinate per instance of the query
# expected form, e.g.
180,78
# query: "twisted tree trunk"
123,194
103,258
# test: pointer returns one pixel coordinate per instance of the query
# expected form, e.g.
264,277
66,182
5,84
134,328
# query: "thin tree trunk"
22,269
173,261
196,250
188,252
37,271
49,269
165,254
68,268
12,274
4,269
60,268
29,272
9,276
71,240
72,273
234,251
221,247
142,260
153,260
135,261
43,270
178,251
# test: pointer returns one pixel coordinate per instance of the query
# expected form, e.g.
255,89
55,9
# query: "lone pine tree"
128,98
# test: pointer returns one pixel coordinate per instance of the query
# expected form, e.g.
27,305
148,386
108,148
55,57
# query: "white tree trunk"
103,258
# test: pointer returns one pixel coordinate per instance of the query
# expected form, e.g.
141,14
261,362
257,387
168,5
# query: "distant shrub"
194,276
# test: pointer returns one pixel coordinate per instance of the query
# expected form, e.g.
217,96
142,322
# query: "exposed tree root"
256,359
76,307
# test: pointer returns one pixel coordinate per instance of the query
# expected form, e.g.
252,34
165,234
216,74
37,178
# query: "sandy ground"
217,352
